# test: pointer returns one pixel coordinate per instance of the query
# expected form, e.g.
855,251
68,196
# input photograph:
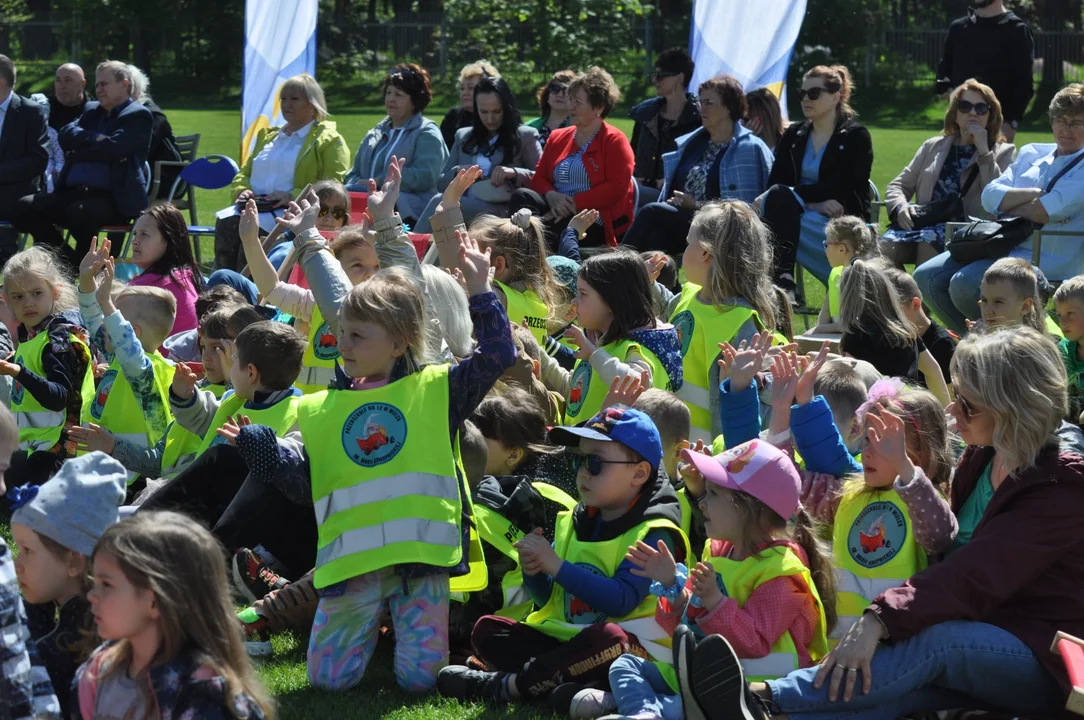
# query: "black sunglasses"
966,409
338,213
556,89
663,74
594,463
815,93
980,108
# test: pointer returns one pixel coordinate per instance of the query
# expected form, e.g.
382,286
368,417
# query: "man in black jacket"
24,151
69,95
996,48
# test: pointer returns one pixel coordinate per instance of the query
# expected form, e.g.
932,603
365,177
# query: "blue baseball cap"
617,423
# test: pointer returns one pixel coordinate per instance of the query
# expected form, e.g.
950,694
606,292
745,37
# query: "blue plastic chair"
211,172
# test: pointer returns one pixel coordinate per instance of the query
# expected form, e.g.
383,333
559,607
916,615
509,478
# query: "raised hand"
705,586
91,438
184,381
104,293
92,263
625,390
232,428
694,481
473,264
785,372
659,565
888,439
584,347
301,216
654,264
743,364
583,220
803,392
249,227
382,200
459,185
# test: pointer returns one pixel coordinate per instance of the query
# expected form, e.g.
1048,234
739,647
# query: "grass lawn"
379,695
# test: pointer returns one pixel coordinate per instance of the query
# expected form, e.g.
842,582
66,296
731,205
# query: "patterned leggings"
347,624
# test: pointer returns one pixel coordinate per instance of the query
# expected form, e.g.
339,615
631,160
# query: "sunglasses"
980,108
663,74
814,94
966,409
594,463
337,212
555,89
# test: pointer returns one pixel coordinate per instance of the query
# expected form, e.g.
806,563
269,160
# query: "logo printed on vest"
877,534
579,385
684,323
98,406
374,434
579,612
16,386
535,323
325,346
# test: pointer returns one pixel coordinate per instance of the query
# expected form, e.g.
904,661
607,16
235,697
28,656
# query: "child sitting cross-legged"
767,589
131,404
593,601
376,458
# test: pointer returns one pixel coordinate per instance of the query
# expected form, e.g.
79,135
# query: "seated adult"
973,631
661,120
65,105
586,166
971,145
163,144
1027,189
406,134
765,117
821,171
462,116
503,148
553,104
24,152
307,149
104,179
719,161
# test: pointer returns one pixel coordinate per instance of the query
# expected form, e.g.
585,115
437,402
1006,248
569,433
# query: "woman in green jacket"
283,161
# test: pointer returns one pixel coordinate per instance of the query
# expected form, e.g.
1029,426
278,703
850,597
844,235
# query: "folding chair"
211,172
187,145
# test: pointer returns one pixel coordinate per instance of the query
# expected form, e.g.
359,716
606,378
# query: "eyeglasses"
979,108
814,94
336,212
706,102
593,463
663,74
555,89
1065,122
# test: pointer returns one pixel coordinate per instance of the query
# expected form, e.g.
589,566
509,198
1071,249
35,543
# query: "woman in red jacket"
973,631
585,166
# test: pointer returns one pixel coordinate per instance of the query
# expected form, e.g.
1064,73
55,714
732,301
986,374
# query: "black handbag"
995,239
944,210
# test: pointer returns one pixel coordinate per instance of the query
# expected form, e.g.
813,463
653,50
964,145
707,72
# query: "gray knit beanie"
76,506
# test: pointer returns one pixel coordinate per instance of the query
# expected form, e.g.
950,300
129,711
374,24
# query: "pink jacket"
181,283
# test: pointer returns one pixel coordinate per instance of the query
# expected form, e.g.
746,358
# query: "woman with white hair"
307,149
104,178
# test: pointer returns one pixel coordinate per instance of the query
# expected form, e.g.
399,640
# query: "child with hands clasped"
173,648
55,527
385,438
131,405
52,367
767,590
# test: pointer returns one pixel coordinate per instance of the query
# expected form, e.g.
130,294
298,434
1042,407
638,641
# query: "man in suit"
24,152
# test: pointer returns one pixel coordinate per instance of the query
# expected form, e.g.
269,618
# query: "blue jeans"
639,688
951,665
952,289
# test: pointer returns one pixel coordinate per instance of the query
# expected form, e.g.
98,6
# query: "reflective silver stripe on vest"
374,537
843,624
394,487
869,588
692,395
773,665
316,375
40,420
515,595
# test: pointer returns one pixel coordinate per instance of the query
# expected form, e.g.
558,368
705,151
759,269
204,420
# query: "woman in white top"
307,149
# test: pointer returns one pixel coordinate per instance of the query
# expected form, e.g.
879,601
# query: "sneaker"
459,681
257,636
718,682
591,703
252,579
684,647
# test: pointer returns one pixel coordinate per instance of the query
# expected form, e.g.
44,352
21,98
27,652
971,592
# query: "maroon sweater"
1023,570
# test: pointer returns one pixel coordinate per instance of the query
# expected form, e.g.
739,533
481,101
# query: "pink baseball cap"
755,467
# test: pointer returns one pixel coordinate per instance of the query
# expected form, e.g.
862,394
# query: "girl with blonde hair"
846,239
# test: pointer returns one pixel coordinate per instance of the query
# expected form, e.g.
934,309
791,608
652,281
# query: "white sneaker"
591,703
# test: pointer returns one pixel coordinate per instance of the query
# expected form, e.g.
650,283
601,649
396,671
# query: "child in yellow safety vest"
52,367
846,238
377,458
768,590
727,298
131,405
592,605
617,336
891,519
